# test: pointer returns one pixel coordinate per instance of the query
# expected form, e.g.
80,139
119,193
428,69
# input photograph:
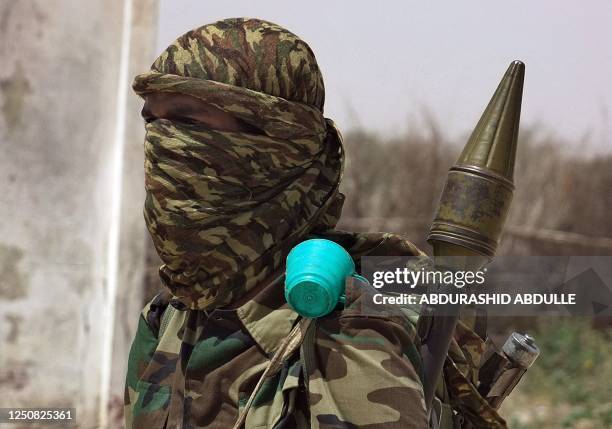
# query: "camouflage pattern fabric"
461,376
355,371
352,371
224,208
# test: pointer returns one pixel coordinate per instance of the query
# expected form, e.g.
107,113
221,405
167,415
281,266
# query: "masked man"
241,165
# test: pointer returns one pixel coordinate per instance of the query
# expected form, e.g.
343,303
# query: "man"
241,166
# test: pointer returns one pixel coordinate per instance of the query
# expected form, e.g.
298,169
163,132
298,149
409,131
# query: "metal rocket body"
472,211
478,191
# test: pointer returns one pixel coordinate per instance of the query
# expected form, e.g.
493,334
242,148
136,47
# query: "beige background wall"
71,229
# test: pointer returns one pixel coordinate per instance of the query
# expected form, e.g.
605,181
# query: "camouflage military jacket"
356,372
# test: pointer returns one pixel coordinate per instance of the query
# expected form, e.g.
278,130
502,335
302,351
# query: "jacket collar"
267,316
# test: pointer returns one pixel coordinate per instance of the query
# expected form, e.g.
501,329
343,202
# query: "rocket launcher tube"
473,209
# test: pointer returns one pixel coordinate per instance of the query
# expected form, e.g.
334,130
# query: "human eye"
190,121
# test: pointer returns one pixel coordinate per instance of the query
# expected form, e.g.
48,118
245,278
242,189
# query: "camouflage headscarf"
225,208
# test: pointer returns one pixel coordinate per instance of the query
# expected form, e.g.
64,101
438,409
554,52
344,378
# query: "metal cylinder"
521,349
501,372
473,209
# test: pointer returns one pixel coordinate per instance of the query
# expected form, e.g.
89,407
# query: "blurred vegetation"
570,386
395,183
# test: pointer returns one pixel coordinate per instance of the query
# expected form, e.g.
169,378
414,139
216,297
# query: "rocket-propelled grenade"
478,191
473,209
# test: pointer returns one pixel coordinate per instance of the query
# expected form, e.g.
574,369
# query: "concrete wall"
72,237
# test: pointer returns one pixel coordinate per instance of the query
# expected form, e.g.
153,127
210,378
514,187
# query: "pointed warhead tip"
492,145
516,71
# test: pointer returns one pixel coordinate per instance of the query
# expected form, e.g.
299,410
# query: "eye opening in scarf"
188,110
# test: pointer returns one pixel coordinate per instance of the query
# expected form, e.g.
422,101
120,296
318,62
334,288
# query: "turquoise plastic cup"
314,276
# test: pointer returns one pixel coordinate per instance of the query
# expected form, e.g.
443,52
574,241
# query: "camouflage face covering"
224,208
